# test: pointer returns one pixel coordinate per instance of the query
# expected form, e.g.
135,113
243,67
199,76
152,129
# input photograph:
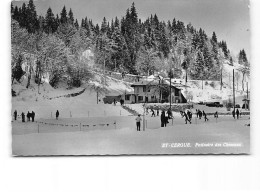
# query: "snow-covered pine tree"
63,16
71,17
50,26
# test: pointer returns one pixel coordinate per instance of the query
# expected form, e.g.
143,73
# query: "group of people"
200,113
164,118
30,116
187,115
153,112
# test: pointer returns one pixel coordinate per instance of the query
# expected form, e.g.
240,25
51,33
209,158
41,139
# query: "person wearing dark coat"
23,117
216,114
57,114
205,116
15,115
197,113
153,113
237,112
33,115
234,114
162,119
189,115
28,116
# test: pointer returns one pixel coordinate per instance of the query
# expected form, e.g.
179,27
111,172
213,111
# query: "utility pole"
234,102
115,64
171,74
247,90
97,96
170,91
104,71
221,79
171,87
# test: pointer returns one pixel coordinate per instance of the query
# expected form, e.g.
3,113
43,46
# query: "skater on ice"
153,113
216,114
200,114
189,113
205,116
186,118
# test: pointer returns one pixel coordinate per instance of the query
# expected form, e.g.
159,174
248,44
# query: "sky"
230,19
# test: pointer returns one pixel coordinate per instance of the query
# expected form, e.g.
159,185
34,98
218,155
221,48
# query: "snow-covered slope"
48,100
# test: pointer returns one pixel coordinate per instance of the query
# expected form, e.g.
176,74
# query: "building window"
144,88
127,97
140,98
137,89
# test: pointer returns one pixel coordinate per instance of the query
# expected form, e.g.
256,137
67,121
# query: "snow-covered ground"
87,126
124,139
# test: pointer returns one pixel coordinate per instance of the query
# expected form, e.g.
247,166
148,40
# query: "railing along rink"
47,127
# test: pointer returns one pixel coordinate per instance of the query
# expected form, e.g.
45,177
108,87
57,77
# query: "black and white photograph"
140,77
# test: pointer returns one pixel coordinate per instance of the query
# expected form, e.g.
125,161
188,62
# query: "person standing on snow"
138,120
23,117
237,112
15,115
33,115
163,119
57,114
28,116
234,114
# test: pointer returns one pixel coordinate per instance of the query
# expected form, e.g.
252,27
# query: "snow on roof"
144,82
156,82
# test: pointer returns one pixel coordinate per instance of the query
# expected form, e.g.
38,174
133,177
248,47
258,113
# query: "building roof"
156,82
145,82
